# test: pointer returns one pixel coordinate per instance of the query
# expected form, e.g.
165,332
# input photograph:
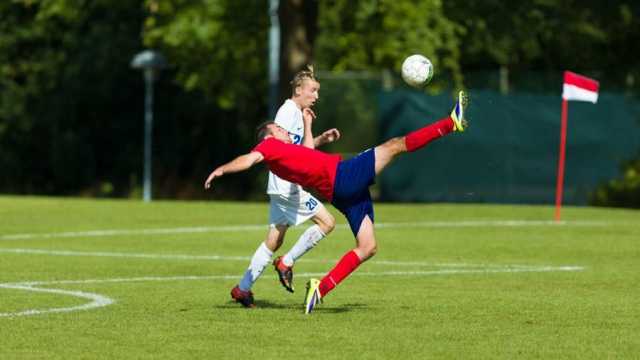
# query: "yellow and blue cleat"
313,297
457,114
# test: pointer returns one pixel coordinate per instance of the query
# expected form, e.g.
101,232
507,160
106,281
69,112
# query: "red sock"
343,268
421,137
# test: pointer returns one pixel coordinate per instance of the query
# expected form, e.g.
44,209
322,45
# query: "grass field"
121,279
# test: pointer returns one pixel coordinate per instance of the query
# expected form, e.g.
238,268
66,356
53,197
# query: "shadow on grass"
264,304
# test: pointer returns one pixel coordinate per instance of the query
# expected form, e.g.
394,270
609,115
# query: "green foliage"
218,55
549,34
28,69
62,63
367,36
622,192
218,47
373,35
356,115
71,107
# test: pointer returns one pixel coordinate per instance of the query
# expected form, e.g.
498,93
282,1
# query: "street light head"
148,60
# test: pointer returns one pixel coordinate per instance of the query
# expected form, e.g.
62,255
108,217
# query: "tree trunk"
298,28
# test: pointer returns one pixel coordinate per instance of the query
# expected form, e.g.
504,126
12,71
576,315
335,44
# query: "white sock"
259,262
306,242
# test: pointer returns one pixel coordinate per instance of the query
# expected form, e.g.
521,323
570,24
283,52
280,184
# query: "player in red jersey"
289,204
343,182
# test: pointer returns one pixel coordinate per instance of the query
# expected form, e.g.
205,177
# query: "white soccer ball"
417,70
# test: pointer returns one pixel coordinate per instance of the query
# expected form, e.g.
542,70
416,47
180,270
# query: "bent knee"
368,251
327,224
372,251
330,225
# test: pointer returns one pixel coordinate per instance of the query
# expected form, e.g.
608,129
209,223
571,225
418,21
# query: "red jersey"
298,164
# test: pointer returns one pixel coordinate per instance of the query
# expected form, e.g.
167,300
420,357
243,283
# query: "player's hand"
331,135
214,174
308,115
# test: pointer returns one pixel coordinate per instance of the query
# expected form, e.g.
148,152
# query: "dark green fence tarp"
510,152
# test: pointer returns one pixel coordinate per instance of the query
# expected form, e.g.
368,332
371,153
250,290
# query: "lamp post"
150,62
274,57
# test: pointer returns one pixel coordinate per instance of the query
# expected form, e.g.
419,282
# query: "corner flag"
579,88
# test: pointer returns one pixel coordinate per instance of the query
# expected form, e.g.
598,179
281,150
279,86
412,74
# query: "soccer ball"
417,70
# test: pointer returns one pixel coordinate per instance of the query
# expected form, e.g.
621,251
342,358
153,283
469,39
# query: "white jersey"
289,117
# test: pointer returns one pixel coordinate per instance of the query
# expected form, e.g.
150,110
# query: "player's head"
270,129
305,87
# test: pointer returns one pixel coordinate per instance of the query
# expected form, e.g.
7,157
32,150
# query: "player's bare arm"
326,137
307,118
241,163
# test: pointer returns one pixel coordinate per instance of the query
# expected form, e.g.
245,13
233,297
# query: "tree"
374,35
298,31
218,52
203,37
622,192
59,108
71,107
550,35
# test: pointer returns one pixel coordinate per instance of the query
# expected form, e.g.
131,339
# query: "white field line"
30,284
96,300
254,227
128,232
125,255
238,258
101,301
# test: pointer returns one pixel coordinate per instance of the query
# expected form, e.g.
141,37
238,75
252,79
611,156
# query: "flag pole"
563,145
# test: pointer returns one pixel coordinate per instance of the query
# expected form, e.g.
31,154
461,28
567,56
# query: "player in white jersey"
289,203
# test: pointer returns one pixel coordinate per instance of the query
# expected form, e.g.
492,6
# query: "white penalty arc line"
97,300
254,227
102,301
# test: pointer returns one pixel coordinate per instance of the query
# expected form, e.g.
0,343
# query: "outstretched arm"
241,163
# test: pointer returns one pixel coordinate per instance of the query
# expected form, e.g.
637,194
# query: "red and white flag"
579,88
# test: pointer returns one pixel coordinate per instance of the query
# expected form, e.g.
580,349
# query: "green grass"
435,290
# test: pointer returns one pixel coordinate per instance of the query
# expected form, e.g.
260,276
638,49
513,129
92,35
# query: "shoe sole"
313,300
246,303
463,101
282,279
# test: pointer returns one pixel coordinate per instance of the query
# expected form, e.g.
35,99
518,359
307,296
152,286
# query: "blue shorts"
351,188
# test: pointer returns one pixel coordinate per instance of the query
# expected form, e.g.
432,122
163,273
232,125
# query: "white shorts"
292,210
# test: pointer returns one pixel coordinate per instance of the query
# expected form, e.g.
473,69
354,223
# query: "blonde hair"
301,76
